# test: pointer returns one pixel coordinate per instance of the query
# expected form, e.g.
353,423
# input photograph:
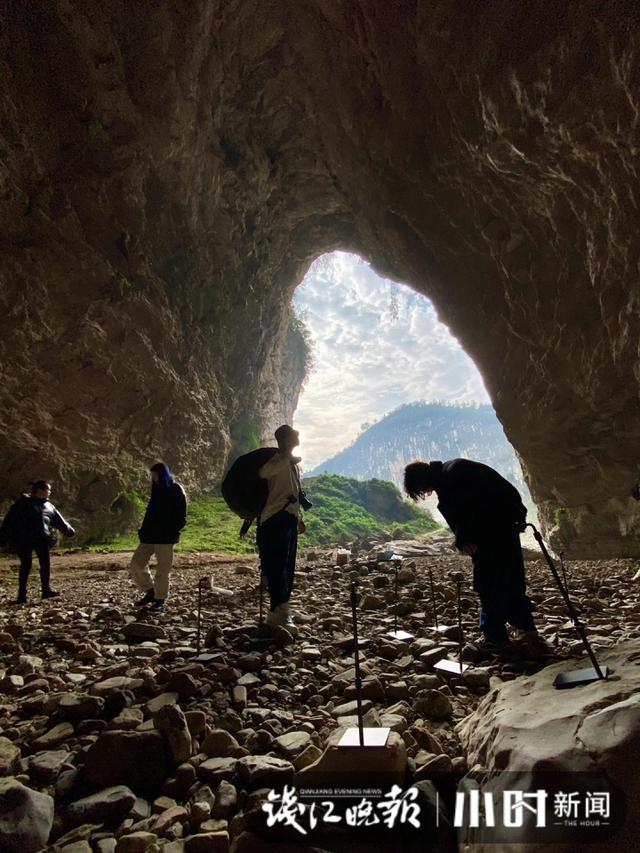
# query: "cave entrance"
389,383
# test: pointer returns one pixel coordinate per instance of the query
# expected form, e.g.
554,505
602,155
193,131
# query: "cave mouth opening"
388,381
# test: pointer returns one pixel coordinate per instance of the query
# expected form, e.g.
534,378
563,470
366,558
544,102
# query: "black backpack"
246,493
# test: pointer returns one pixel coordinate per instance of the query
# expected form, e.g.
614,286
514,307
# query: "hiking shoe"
50,593
21,599
280,615
147,598
487,648
273,618
158,604
287,615
533,643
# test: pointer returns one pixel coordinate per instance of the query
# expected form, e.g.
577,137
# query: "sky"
377,344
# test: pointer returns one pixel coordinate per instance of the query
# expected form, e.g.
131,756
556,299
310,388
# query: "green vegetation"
342,509
245,435
561,515
210,527
123,514
300,340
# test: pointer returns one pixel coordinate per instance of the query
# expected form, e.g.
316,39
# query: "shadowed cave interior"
168,172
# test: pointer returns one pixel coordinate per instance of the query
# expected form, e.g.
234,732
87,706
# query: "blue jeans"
277,540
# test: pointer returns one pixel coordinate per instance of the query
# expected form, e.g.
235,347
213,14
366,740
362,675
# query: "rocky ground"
114,739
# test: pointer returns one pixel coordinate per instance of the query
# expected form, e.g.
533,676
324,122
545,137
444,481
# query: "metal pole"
395,619
433,598
564,574
572,611
460,638
260,594
199,614
354,602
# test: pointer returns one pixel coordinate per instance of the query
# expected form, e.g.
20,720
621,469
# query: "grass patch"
342,509
210,527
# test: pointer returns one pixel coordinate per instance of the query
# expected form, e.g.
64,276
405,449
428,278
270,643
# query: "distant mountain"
427,431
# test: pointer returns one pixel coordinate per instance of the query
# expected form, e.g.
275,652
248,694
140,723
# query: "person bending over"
165,517
486,514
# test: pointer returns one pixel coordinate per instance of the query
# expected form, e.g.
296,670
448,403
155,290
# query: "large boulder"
26,818
136,759
528,727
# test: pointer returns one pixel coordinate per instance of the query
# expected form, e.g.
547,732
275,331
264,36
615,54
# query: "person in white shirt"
279,524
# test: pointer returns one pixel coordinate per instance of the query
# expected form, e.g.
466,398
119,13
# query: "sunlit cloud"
377,345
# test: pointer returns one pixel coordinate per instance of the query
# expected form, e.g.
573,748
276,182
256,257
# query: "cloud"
377,345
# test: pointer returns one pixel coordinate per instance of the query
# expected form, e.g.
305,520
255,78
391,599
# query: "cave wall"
169,170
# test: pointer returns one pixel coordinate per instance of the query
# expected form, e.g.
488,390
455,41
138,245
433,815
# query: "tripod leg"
199,633
572,611
564,574
433,598
460,637
395,619
354,616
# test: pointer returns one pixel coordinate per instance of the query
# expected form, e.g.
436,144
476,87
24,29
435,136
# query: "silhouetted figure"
165,517
486,514
279,524
29,526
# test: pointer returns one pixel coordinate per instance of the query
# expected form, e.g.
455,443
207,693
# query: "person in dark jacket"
29,526
165,517
486,514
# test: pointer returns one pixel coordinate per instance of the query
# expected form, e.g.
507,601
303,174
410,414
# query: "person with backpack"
29,526
279,523
486,514
164,519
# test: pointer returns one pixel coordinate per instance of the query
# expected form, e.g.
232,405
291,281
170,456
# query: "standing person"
279,524
28,527
486,514
165,517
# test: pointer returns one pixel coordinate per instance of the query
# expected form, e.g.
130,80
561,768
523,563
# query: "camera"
305,503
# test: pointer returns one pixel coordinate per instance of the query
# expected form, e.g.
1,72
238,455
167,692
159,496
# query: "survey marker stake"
205,657
440,629
360,736
397,634
453,667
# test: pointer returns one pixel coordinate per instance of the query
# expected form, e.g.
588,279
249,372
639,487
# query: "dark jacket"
476,502
31,521
166,515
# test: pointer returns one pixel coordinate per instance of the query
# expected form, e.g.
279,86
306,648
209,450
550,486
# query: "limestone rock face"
526,725
169,174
